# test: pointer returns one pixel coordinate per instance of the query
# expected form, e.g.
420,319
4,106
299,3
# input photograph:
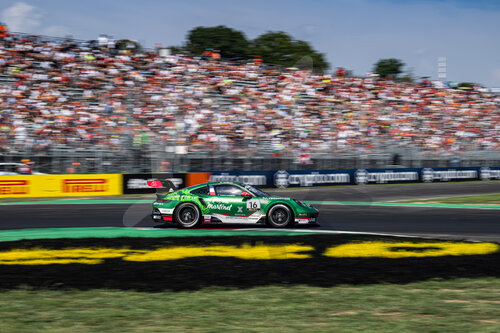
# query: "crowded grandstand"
70,94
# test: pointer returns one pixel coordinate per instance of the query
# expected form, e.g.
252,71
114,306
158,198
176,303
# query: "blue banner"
296,178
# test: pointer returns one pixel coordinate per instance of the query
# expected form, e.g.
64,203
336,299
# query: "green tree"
466,85
127,44
230,42
388,67
279,48
175,49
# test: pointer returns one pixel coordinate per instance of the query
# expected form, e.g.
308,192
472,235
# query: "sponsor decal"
429,175
488,174
187,198
138,182
135,183
60,185
231,218
254,180
315,178
141,184
85,185
283,179
363,176
253,205
219,206
14,187
182,197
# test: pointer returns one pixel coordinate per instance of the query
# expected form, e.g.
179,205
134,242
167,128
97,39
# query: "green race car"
229,202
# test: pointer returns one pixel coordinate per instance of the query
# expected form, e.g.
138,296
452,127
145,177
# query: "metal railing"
59,160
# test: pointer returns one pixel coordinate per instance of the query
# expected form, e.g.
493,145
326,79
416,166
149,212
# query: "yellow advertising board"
60,185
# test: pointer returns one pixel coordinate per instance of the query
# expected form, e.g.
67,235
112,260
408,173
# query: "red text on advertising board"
85,185
14,187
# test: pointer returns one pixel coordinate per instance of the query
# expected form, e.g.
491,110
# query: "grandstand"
87,107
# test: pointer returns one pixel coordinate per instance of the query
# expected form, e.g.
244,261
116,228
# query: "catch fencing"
90,161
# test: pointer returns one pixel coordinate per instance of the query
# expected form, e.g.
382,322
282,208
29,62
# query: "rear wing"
162,186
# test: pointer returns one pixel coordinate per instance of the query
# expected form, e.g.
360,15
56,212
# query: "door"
228,205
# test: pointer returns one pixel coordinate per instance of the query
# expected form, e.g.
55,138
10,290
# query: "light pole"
442,68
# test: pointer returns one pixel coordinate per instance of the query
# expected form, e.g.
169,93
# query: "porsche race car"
229,202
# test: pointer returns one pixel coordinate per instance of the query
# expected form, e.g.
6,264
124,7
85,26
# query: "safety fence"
80,185
95,161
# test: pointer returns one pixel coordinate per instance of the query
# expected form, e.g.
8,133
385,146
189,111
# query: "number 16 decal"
253,205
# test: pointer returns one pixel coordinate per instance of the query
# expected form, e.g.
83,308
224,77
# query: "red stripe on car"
236,215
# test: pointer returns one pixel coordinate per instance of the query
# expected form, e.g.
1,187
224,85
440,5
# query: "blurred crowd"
63,93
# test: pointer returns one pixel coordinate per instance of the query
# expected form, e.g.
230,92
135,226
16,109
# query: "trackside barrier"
18,186
288,178
116,184
60,185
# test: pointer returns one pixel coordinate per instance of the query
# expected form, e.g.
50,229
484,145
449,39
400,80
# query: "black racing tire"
280,216
187,215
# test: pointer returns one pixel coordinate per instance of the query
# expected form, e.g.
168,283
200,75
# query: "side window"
228,190
202,190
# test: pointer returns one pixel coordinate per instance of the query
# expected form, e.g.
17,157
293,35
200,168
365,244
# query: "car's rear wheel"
279,216
187,215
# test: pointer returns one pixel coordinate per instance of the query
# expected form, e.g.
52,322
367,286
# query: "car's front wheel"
187,215
279,216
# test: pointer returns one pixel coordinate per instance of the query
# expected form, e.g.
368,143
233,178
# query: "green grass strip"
460,305
493,199
114,232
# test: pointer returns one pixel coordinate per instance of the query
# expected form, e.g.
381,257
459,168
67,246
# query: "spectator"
4,32
25,168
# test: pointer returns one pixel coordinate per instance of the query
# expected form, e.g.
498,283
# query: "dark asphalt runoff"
456,223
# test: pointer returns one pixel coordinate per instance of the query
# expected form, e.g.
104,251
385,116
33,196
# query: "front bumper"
311,219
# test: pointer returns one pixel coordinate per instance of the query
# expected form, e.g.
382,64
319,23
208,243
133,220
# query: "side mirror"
246,195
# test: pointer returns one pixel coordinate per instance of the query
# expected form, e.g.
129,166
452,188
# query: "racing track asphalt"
457,223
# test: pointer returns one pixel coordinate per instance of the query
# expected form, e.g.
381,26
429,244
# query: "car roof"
214,183
221,183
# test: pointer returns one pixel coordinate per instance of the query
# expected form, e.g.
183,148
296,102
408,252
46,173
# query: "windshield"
256,191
